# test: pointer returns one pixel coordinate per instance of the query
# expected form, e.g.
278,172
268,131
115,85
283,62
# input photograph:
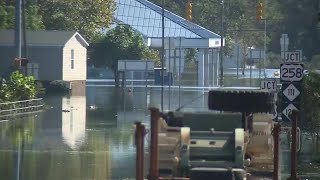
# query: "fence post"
154,169
139,142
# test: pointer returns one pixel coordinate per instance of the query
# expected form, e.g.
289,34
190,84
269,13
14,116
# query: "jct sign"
270,85
292,57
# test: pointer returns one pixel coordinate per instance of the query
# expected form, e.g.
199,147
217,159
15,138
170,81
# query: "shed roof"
41,37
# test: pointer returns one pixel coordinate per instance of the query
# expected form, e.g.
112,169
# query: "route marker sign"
290,91
291,72
269,84
287,111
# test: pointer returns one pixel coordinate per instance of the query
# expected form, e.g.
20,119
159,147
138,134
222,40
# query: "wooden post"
276,133
294,119
139,142
154,164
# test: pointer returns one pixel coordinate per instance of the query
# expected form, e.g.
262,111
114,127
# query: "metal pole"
259,66
265,37
179,72
24,30
146,76
238,51
276,134
139,142
221,44
250,67
18,9
154,169
162,57
170,75
294,119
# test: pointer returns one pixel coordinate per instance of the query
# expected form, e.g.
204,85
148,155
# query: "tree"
310,119
122,42
7,17
239,20
84,16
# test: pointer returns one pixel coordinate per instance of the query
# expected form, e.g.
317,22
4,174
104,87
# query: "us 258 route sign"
291,72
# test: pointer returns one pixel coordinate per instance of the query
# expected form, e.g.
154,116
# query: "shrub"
58,86
17,87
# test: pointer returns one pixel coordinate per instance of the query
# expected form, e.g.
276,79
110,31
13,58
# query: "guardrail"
20,107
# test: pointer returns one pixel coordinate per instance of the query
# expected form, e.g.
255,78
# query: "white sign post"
284,43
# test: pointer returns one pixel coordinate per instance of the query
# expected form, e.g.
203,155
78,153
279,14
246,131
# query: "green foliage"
310,107
7,16
272,60
315,61
122,42
84,16
190,55
18,87
57,87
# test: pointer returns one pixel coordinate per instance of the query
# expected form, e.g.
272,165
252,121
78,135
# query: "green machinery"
210,143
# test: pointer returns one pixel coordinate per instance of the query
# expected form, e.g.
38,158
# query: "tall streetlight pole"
162,57
18,27
221,44
265,38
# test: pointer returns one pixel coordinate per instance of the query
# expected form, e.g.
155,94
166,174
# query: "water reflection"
14,138
74,121
83,137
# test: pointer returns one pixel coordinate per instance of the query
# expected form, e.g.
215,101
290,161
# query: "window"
72,59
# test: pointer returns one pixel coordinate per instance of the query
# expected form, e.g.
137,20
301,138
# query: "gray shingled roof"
40,37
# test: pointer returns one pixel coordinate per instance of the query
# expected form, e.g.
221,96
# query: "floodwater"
84,137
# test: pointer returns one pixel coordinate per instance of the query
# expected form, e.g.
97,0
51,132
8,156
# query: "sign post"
291,74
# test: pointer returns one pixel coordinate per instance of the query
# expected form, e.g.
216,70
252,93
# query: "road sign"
290,91
287,111
270,85
292,57
291,72
286,142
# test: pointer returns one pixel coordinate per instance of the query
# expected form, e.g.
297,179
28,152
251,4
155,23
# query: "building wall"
50,61
79,72
48,57
6,58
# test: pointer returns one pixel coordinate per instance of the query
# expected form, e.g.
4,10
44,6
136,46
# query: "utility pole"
221,44
162,57
17,32
276,135
265,37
